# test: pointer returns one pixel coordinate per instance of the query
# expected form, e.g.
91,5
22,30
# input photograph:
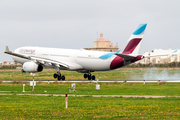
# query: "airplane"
33,59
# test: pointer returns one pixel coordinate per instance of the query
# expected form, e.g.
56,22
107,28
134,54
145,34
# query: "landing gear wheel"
85,76
59,77
63,77
93,77
89,77
22,71
55,75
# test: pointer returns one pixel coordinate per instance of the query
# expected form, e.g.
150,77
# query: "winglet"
175,51
7,49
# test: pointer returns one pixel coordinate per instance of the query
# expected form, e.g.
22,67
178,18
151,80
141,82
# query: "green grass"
24,106
40,107
121,74
167,89
17,106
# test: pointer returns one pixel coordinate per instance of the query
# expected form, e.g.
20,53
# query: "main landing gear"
89,76
58,76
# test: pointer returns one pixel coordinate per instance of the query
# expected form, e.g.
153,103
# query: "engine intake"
31,66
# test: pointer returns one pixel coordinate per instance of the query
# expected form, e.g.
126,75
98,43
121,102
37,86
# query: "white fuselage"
75,59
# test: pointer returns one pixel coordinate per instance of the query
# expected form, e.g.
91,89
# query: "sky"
77,23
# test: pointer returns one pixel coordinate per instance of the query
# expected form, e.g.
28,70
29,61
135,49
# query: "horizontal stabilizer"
126,57
157,55
164,54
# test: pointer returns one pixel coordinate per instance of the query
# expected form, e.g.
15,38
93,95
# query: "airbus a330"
33,59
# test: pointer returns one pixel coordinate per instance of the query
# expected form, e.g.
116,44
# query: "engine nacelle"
31,66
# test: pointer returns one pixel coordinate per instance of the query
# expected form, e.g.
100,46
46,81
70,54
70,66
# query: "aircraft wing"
50,62
15,54
42,61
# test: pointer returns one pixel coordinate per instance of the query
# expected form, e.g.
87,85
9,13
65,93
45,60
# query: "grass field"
121,74
83,88
40,107
15,106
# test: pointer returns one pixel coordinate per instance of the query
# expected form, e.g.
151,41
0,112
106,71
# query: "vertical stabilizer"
134,42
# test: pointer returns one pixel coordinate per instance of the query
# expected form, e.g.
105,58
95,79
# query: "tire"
59,78
85,76
89,77
55,75
63,77
22,71
93,77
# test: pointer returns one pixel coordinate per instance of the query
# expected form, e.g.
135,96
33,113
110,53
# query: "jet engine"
31,66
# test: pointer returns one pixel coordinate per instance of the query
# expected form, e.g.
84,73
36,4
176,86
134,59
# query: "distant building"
102,44
10,63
